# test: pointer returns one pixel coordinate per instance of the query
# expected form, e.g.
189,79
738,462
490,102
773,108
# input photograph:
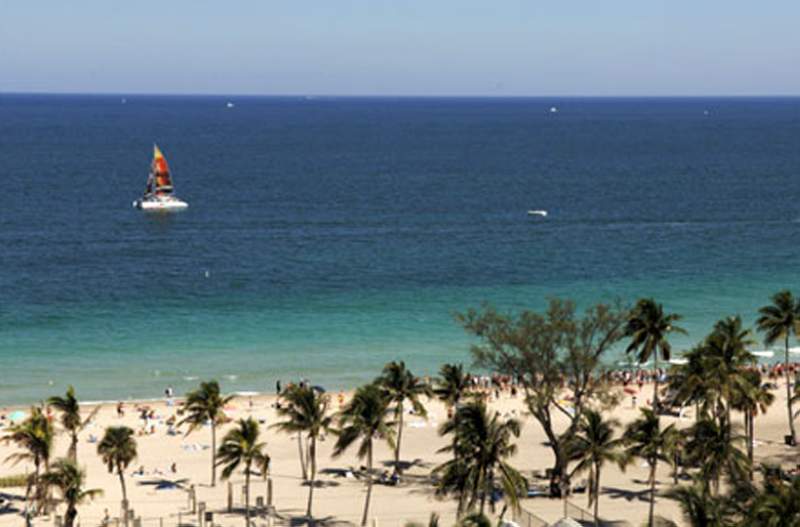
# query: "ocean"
327,236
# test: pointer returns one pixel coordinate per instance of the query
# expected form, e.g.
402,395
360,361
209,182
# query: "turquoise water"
327,237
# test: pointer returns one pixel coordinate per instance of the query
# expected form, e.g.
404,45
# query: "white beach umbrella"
767,354
678,361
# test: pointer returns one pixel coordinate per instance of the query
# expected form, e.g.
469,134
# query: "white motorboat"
538,212
158,193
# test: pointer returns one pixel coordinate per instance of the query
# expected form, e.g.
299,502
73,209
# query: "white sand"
624,495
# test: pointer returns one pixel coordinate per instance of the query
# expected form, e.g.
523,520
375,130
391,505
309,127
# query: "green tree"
752,399
365,418
648,328
483,444
71,418
714,449
592,447
206,405
117,449
779,321
776,503
400,385
700,508
241,446
69,479
306,412
452,384
34,437
550,353
645,439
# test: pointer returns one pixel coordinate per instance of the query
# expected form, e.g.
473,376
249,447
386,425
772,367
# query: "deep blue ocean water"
327,236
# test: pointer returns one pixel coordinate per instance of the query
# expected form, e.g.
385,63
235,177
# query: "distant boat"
538,212
553,109
230,105
158,192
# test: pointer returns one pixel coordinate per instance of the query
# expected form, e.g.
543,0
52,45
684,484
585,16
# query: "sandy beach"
162,495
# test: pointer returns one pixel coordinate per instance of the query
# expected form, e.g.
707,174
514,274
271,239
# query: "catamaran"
158,193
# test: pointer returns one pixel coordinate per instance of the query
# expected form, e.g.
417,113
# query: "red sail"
161,172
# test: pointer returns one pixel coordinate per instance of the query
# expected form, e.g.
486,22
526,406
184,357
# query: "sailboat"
158,192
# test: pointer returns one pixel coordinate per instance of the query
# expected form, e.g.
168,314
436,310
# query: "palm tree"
714,449
118,450
206,405
365,418
592,446
777,503
481,449
34,436
726,361
751,398
452,384
241,446
645,439
401,385
689,382
306,411
648,327
71,418
701,509
69,479
778,321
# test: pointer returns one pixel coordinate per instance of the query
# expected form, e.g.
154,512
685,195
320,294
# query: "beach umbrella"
768,354
678,361
318,388
795,351
19,415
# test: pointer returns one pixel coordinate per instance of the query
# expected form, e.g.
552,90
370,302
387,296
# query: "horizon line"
402,96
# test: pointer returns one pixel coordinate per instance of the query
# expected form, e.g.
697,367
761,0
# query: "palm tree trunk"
652,493
399,438
749,417
36,489
302,456
655,385
596,496
213,453
46,490
73,447
124,493
789,390
369,484
312,460
69,517
247,494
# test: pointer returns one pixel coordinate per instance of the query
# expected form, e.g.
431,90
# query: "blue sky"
402,47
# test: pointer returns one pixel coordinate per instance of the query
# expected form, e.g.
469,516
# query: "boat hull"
160,205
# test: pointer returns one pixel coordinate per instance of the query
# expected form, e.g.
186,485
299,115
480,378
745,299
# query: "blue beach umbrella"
19,415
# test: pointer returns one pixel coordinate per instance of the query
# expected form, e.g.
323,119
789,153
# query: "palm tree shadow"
405,465
629,495
303,520
322,484
164,483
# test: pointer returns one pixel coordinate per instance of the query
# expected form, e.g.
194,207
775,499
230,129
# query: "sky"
402,47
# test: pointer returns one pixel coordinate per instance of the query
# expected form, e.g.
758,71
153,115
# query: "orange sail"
160,172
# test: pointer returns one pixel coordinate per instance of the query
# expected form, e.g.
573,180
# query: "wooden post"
269,493
201,513
230,497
